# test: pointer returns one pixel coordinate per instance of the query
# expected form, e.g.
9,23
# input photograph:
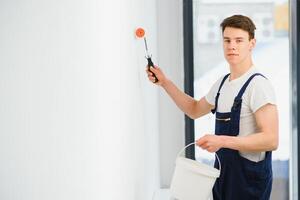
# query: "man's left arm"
265,140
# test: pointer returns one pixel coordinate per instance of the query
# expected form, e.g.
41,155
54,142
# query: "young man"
246,129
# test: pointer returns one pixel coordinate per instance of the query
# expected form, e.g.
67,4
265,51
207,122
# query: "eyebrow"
233,38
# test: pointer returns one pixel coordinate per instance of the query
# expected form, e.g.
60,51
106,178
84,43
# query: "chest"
227,95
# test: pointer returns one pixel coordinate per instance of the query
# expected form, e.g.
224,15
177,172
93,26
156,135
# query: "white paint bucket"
193,180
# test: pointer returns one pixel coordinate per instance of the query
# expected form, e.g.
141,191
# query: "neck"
238,70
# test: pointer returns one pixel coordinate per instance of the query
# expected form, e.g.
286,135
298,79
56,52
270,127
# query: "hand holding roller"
140,33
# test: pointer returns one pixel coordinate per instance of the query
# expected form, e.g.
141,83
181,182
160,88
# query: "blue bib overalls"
240,178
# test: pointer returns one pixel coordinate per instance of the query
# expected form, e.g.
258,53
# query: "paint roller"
140,33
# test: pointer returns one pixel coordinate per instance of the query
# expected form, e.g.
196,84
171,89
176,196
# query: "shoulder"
261,92
217,84
261,83
210,96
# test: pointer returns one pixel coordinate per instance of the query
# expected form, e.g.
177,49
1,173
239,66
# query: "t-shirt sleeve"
263,93
211,95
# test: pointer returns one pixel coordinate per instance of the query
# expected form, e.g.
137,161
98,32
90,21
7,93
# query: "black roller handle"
150,64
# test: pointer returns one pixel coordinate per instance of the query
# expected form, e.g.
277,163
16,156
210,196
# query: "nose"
231,46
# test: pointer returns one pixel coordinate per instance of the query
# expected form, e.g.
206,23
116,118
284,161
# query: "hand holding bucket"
193,180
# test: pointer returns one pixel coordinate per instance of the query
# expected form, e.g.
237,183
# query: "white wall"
78,119
170,51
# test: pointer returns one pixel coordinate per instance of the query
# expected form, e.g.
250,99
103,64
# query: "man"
246,129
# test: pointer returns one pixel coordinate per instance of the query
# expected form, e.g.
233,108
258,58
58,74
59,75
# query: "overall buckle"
236,104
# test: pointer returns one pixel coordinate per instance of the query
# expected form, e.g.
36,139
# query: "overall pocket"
258,176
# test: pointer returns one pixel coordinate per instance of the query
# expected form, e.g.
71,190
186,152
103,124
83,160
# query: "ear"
252,44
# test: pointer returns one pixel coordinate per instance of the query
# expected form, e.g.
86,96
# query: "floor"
164,194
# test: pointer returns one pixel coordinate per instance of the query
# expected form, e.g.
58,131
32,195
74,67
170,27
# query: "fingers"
209,143
152,70
210,149
201,141
207,146
204,143
152,78
152,73
149,73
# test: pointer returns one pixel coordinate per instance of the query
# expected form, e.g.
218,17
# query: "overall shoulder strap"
218,94
243,89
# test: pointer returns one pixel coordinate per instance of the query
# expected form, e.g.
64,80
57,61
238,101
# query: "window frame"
295,102
188,54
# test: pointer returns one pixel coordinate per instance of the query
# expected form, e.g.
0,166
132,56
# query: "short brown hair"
241,22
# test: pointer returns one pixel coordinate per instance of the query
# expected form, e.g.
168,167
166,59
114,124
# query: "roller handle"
150,64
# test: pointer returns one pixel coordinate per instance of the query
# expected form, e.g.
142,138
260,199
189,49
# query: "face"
236,45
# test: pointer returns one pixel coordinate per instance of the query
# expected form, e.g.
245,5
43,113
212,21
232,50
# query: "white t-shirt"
258,93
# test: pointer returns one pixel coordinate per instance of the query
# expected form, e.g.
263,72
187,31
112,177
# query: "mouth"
232,54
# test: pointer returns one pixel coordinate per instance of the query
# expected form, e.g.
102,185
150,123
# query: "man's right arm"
191,107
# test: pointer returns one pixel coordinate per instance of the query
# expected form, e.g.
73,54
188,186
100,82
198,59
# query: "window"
271,56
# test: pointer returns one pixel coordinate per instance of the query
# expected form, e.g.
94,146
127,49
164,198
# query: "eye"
239,41
226,41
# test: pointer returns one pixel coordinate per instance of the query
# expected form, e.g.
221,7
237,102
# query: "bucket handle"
180,152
